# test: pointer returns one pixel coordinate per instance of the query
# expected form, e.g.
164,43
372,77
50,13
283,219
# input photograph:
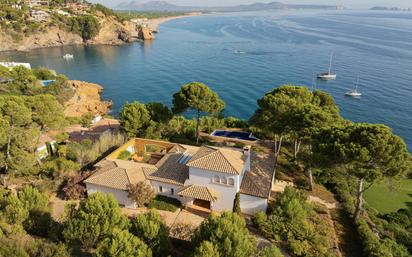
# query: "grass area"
165,203
383,199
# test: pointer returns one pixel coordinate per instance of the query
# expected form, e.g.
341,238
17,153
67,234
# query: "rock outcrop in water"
86,99
146,34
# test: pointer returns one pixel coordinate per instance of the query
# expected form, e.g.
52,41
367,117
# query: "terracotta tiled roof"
169,170
199,192
258,181
218,159
114,178
178,149
118,174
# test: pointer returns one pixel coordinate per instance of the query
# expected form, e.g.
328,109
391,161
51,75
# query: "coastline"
153,24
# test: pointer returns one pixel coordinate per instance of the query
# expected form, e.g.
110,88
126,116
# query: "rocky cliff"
112,32
86,99
52,37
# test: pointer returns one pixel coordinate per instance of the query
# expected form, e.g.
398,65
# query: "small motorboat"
68,56
328,75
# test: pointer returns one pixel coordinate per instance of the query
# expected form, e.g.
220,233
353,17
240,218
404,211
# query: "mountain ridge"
164,6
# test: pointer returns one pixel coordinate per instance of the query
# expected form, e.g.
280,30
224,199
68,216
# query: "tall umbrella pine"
294,111
200,98
368,152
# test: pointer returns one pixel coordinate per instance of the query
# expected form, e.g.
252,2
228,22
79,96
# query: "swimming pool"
234,134
45,83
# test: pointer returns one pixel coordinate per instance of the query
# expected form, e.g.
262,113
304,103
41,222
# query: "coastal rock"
112,32
54,36
86,99
146,34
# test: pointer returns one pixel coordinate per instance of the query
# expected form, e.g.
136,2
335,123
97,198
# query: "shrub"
74,188
259,220
123,244
229,233
125,155
294,221
373,247
43,73
150,228
62,137
142,193
209,124
60,89
232,122
236,204
165,203
86,120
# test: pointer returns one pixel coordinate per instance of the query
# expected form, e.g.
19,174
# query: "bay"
244,55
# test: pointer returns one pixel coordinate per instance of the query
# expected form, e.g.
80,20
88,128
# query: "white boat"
355,92
68,56
328,75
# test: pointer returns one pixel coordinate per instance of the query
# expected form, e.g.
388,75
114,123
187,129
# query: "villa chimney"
246,150
246,154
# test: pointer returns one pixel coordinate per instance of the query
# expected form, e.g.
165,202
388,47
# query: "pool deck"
228,139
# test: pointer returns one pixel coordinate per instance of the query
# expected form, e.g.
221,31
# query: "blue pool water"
244,55
45,83
234,134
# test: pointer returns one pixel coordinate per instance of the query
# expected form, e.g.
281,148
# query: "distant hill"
158,6
162,6
383,8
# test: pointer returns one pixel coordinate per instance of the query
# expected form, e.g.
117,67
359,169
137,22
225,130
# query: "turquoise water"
244,55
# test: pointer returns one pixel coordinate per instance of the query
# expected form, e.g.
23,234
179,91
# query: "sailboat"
328,75
354,93
68,56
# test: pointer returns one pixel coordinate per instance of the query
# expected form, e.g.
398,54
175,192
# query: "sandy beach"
153,24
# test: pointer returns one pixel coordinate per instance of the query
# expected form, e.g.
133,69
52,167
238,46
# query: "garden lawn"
385,200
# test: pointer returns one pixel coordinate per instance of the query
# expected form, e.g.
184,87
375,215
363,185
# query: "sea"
244,55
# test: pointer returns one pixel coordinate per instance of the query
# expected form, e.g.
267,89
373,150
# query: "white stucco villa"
208,177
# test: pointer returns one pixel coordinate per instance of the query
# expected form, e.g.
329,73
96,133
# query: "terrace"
142,151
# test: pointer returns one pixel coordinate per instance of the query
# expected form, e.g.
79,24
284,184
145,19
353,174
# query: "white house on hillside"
207,177
11,65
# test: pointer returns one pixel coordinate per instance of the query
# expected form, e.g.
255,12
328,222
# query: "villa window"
216,179
172,191
231,181
160,189
223,180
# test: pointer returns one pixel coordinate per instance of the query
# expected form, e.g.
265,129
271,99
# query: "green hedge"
165,203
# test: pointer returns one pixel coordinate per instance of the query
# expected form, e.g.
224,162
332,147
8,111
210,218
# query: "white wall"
252,204
227,193
167,189
120,195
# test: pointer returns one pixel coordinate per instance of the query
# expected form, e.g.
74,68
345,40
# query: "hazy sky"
347,3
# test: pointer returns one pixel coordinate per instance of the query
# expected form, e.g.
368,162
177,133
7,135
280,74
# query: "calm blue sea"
244,55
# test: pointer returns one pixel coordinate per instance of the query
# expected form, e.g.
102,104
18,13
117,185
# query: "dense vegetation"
157,121
128,15
309,135
297,224
98,226
17,21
